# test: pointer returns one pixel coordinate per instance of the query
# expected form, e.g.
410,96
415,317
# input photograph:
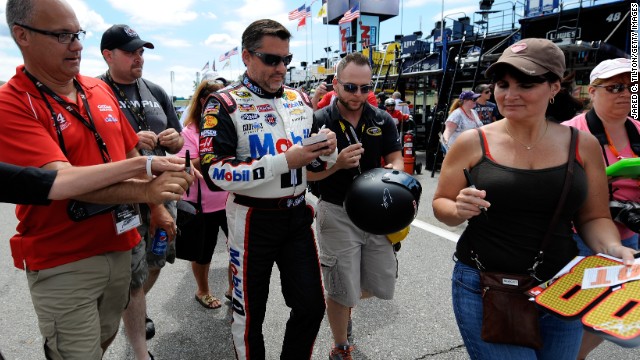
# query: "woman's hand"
622,252
469,201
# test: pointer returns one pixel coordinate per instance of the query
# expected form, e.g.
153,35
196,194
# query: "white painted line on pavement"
436,230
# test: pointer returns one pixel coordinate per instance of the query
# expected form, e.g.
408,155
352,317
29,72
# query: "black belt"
286,202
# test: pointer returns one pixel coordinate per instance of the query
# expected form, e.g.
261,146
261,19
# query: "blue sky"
188,33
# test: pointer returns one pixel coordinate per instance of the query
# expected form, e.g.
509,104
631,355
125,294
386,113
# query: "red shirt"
46,236
326,99
398,115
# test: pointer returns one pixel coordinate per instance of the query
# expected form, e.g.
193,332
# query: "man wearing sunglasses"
487,111
52,117
251,145
355,264
150,112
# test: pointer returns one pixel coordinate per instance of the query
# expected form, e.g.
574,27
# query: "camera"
627,213
80,210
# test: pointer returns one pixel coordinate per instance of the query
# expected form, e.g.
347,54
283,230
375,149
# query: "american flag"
350,15
298,13
307,12
205,68
228,54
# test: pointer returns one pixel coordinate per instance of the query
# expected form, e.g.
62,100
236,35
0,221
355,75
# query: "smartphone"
329,86
314,139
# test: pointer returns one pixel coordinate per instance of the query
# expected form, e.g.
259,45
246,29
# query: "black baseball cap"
122,37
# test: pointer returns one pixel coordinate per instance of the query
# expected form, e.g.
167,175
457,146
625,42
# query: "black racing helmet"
383,201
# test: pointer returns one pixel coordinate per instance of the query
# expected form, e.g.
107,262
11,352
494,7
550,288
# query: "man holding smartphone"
251,145
355,264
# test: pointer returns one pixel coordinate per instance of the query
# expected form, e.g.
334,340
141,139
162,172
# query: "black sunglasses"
615,88
273,60
353,88
63,37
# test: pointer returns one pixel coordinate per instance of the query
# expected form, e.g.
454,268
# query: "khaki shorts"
142,258
352,260
79,304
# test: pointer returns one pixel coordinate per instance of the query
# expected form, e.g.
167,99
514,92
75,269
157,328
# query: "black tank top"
522,204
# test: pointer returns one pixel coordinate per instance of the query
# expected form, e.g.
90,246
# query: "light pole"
172,80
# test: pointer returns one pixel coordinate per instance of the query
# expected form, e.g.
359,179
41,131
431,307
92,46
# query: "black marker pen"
187,166
470,182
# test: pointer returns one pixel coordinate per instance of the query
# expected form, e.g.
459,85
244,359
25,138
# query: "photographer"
610,95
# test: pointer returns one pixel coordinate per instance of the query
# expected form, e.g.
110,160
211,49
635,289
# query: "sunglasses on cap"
353,88
273,60
615,88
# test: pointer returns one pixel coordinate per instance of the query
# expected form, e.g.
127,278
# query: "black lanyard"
139,116
42,88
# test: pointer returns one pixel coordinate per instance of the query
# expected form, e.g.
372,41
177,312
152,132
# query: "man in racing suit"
251,146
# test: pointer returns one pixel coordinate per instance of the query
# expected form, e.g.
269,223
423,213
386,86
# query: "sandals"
208,301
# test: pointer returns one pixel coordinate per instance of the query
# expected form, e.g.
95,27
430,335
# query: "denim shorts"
584,250
561,338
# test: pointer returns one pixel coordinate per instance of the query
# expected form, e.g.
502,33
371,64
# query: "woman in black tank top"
518,165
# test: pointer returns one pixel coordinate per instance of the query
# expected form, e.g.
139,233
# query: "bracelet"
149,160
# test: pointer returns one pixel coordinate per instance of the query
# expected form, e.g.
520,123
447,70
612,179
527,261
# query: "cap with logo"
610,68
533,57
468,95
122,37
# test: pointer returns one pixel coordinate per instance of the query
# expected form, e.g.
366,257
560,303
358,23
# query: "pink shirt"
623,189
212,201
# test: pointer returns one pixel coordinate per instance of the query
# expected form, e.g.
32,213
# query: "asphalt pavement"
417,324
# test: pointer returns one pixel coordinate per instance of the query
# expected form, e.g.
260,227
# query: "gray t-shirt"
159,114
459,118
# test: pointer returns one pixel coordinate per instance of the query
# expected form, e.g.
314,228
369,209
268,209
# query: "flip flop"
228,296
208,300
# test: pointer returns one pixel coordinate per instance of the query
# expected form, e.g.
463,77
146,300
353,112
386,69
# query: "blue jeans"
561,338
584,250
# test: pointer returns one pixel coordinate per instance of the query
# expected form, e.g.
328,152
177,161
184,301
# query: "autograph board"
611,312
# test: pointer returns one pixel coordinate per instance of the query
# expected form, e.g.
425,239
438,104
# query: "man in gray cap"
151,114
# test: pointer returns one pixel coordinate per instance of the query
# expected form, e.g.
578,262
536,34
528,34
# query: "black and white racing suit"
245,132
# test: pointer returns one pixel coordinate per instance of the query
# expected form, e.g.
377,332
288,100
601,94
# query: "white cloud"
166,41
210,15
8,65
89,19
221,41
157,13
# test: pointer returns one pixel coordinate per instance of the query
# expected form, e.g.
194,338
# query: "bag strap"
597,129
199,203
563,197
